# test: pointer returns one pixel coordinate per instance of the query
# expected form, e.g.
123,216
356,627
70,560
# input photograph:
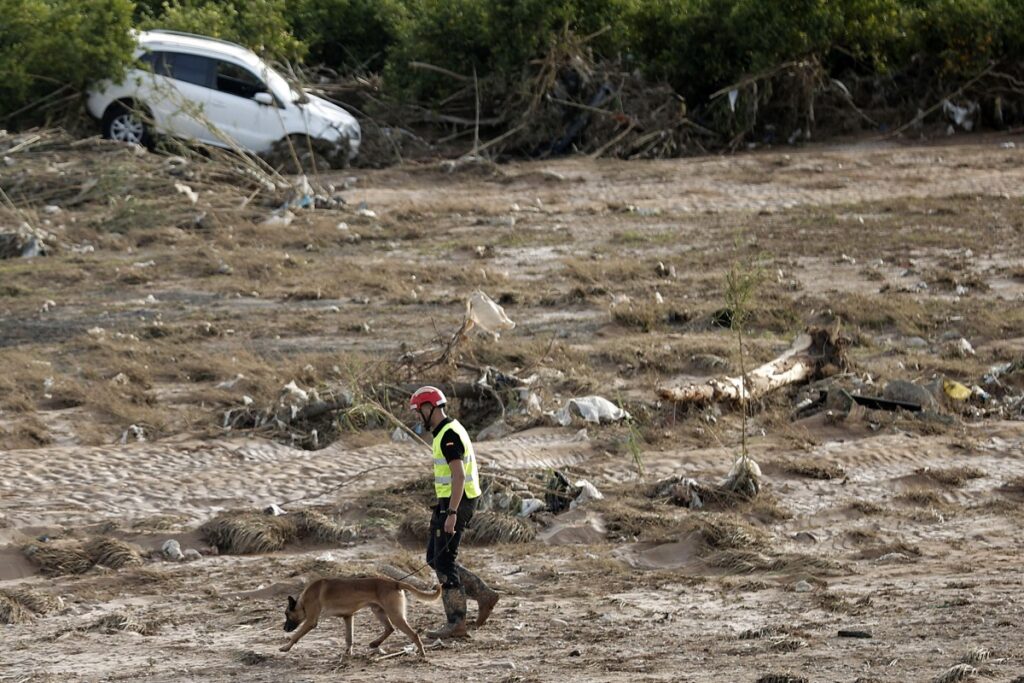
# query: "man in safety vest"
457,485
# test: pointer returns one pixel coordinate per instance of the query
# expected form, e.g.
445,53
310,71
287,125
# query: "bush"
48,46
347,33
260,25
497,38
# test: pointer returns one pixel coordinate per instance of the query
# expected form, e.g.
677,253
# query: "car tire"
124,124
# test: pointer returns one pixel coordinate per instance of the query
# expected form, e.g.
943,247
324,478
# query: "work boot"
486,598
454,600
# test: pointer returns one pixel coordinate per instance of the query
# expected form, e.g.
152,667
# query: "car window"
187,68
237,80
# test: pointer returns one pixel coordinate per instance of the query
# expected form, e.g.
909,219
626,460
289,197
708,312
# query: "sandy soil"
930,567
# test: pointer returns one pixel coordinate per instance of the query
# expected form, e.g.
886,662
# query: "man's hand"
449,524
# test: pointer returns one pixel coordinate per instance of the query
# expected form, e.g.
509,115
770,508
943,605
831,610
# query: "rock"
274,510
915,343
191,555
908,392
171,550
803,587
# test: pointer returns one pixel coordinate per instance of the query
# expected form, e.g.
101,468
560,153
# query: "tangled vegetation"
888,54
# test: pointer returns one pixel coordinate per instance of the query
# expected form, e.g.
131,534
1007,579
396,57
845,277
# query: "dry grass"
922,497
56,560
36,602
320,529
952,476
812,468
125,621
112,552
246,533
956,673
12,611
487,528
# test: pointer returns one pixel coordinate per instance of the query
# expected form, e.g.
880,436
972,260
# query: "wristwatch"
452,512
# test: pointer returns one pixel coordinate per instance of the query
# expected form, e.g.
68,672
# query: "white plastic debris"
400,436
191,555
734,95
366,213
530,505
134,432
144,264
595,409
483,312
293,389
47,305
96,331
803,586
964,347
274,510
184,189
280,219
172,550
230,383
120,378
588,492
961,116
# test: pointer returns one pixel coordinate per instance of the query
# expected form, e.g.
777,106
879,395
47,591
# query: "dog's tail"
423,596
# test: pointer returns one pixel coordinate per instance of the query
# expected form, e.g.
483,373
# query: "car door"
234,107
183,83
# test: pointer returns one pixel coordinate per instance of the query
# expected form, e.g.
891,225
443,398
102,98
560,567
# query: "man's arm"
458,484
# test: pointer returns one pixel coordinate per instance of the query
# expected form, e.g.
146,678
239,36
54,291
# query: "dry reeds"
813,469
113,553
955,673
12,611
487,528
248,533
319,528
54,560
951,476
124,621
27,600
781,678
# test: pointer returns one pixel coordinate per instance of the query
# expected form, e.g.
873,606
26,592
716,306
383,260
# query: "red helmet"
431,395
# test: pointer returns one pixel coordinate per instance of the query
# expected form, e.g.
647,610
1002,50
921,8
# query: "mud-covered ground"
903,526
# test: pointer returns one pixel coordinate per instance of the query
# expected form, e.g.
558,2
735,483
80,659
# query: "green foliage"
352,33
260,25
60,45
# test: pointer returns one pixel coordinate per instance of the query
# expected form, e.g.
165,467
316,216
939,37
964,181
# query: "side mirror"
264,98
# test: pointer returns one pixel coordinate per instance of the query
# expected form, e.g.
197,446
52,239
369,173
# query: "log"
812,354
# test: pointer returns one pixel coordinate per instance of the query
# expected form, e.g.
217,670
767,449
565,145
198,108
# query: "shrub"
260,25
59,45
347,33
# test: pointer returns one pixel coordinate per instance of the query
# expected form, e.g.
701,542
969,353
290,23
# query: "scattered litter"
894,558
961,116
171,550
184,189
844,633
283,219
483,312
133,433
400,436
1008,145
803,586
120,379
274,510
587,493
955,390
592,409
530,505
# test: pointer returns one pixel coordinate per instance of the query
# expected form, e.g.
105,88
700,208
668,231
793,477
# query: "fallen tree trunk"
815,353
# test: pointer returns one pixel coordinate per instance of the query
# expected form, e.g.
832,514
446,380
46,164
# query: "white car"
218,93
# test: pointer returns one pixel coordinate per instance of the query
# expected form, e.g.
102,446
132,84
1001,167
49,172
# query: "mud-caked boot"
476,589
454,600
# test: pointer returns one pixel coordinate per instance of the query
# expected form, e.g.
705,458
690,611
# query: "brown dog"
345,597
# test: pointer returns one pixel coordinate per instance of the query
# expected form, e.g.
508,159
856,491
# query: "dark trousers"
443,549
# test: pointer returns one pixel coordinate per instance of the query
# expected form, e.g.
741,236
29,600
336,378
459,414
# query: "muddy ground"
146,314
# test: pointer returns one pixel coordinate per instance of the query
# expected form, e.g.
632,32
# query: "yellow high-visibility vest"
442,471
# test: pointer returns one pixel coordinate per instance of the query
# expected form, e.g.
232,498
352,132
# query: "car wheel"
126,125
311,155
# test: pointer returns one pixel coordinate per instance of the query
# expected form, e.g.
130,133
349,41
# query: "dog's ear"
291,603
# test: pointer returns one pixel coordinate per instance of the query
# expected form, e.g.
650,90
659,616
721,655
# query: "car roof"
160,39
